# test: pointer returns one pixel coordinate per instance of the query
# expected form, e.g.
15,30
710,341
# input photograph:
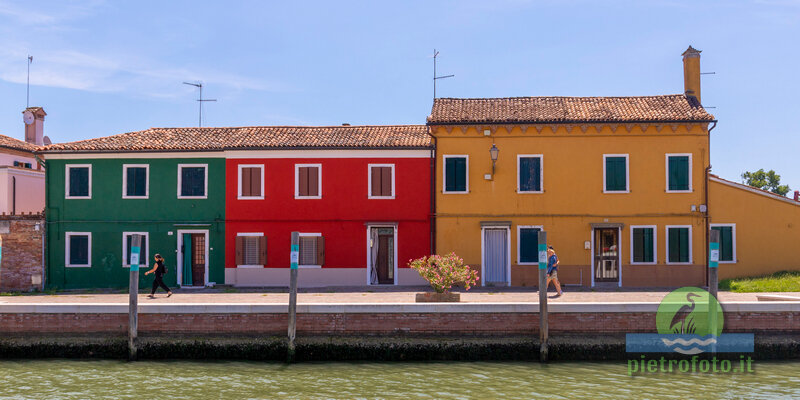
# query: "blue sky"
102,68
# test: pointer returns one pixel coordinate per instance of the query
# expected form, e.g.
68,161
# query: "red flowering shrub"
443,272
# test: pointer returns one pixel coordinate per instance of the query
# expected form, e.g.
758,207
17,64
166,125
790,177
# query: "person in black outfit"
159,269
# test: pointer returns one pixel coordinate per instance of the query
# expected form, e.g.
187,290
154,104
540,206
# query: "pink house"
21,176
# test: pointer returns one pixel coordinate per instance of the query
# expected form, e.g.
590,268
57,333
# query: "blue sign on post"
136,243
542,256
713,255
295,255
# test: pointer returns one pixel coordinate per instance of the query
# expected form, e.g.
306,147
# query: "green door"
186,253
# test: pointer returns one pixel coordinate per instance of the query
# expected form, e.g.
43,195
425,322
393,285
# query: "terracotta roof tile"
16,144
255,137
666,108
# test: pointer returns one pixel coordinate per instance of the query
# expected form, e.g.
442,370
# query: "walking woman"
552,270
159,269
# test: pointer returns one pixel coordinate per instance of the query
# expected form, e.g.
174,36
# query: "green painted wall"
107,215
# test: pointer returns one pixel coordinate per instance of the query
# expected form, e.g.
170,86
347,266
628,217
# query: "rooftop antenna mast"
28,89
200,100
435,78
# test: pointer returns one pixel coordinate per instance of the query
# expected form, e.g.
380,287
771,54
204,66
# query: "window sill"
141,266
464,192
644,263
249,266
79,266
528,263
136,197
727,262
616,191
309,266
78,197
250,198
530,191
679,263
193,197
380,197
680,191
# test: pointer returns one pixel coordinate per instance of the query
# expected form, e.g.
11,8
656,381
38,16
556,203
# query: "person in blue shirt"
552,270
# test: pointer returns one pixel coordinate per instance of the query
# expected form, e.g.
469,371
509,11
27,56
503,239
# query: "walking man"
552,270
159,269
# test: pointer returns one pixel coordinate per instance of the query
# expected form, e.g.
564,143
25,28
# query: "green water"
67,379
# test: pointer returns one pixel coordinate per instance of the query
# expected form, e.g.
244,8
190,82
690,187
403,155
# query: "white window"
616,176
679,244
678,172
312,250
251,250
192,181
78,249
308,181
455,173
78,181
528,244
135,181
530,173
144,249
644,244
381,181
251,182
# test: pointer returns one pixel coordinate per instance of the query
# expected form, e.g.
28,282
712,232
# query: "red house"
358,195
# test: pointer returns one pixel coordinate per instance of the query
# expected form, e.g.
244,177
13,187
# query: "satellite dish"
47,141
27,117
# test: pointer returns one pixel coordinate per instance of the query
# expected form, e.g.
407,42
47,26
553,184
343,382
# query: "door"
495,257
382,255
198,259
606,255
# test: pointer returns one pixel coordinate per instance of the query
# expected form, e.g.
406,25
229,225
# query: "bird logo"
689,319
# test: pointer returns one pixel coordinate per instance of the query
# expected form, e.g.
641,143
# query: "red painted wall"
339,215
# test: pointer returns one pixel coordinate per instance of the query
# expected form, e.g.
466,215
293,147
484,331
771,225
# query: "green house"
99,194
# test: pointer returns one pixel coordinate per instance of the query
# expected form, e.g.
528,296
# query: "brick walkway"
366,295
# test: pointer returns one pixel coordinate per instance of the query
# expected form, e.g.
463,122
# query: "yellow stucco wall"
767,229
573,195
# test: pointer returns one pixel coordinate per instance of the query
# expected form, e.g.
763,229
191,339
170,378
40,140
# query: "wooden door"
495,257
606,255
198,254
384,263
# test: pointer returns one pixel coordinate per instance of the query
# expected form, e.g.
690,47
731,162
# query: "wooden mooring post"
543,328
133,297
294,257
713,282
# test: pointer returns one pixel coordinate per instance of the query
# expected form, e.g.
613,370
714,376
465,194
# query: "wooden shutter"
262,250
246,184
255,181
450,175
129,241
313,181
320,250
375,185
239,250
302,181
386,181
461,174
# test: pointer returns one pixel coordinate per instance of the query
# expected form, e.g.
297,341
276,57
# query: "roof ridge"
281,126
561,97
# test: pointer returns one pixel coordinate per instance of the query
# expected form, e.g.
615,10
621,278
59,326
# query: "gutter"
559,122
234,149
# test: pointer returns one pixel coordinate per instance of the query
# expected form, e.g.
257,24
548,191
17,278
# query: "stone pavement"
362,295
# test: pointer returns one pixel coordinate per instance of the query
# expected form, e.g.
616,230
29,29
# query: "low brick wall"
22,263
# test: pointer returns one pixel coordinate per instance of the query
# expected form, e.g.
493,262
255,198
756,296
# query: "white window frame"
67,167
297,181
369,181
541,172
205,189
67,236
142,263
301,234
444,173
519,242
627,173
666,172
125,181
733,237
691,254
239,193
250,234
655,244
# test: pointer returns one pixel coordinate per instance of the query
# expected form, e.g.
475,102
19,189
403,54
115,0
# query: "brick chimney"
797,195
34,131
691,72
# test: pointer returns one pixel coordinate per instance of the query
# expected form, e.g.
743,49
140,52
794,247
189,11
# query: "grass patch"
783,281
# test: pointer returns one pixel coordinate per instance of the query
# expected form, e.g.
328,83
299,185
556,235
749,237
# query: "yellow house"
619,184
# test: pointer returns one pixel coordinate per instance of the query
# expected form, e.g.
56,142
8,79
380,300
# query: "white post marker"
133,296
543,327
294,257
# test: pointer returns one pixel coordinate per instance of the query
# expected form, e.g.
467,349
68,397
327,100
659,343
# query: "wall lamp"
494,152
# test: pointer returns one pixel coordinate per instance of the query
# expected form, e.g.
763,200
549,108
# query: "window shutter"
450,174
255,181
529,245
461,174
320,250
386,181
313,181
302,181
128,242
684,244
246,185
647,238
536,173
375,184
525,183
240,250
262,250
638,245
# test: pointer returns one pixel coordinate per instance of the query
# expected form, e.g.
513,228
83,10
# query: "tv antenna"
200,100
435,78
28,88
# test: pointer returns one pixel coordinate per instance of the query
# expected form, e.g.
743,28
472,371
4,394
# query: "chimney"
691,73
797,195
34,125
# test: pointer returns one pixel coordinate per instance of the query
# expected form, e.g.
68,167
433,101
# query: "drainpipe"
13,195
706,216
433,192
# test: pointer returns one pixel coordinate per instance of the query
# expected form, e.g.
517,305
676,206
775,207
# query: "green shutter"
530,174
616,175
193,181
78,250
678,173
450,174
529,245
455,174
725,242
648,245
79,181
679,245
136,181
643,245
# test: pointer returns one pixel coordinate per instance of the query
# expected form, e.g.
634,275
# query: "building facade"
618,184
22,184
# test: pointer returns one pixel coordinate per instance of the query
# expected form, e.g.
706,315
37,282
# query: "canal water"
69,379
